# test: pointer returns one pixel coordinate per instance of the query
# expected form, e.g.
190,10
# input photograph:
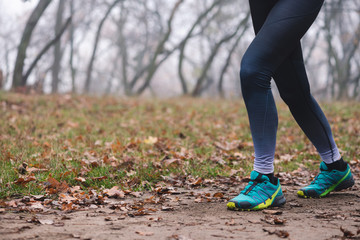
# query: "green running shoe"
260,193
327,181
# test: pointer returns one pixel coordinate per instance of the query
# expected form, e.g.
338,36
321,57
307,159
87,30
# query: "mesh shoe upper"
258,194
327,181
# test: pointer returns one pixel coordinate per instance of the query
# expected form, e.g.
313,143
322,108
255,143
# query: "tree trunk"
1,79
160,48
228,60
97,38
57,49
25,40
45,49
71,60
184,42
199,84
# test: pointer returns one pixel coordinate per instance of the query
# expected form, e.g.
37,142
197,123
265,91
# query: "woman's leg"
293,85
276,40
292,82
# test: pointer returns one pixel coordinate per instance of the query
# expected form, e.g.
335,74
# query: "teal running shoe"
327,181
260,193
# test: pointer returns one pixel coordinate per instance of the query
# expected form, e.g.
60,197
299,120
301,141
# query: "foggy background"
161,48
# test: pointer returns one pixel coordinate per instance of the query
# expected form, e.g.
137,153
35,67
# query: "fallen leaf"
114,192
295,204
231,223
46,221
171,161
218,195
36,170
66,198
80,179
68,207
151,140
167,208
136,194
279,233
23,181
272,212
228,146
145,233
347,233
37,206
99,178
273,220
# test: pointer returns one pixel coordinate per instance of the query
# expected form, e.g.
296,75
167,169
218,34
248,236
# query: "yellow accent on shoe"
268,201
327,191
301,194
231,205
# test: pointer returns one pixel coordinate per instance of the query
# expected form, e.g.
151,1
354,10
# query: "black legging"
276,53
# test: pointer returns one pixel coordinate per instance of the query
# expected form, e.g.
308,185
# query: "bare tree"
46,48
200,81
186,39
57,48
342,47
92,59
154,64
25,40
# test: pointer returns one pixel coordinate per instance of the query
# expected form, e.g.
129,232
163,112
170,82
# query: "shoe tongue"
323,167
258,177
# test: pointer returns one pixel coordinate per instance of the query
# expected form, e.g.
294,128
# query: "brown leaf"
66,198
272,212
23,181
46,145
167,208
46,221
52,182
197,181
228,146
151,140
114,192
346,232
136,194
72,124
218,160
273,220
231,223
145,233
295,204
171,161
218,195
36,170
11,203
37,206
68,206
80,179
99,178
279,233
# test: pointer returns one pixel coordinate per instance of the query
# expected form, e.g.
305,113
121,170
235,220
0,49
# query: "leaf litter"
166,183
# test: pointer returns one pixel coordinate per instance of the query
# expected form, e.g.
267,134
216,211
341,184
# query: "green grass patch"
126,142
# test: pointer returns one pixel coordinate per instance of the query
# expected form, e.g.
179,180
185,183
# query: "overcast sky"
15,8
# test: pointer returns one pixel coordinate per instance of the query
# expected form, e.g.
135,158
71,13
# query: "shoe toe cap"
310,193
242,204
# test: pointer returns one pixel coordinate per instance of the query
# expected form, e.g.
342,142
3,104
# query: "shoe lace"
252,185
323,175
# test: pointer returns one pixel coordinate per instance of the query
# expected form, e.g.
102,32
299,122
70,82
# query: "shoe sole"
341,186
278,202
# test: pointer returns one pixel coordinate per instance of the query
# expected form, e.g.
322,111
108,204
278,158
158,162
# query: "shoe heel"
279,201
345,184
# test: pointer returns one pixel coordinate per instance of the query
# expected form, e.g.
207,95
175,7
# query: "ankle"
339,165
272,178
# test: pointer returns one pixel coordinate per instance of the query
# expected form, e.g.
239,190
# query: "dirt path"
189,216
